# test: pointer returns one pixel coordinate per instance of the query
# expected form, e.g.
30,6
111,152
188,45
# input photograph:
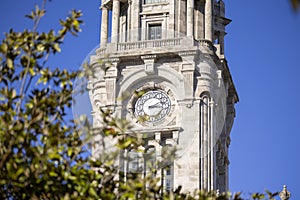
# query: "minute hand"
157,105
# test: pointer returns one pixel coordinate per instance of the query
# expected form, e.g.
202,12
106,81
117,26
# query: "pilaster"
187,70
221,42
143,30
110,81
181,18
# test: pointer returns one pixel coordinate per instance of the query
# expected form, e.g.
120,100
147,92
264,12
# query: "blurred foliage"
41,153
295,4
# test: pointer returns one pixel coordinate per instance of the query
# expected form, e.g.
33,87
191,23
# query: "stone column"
204,143
199,21
196,21
208,169
104,26
171,27
208,20
190,18
115,21
135,20
212,147
129,20
201,138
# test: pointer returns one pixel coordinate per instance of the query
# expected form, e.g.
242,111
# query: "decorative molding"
188,102
206,43
173,122
187,66
187,53
149,61
147,57
160,129
150,68
111,59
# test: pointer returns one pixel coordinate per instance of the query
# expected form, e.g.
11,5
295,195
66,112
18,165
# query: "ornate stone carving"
149,61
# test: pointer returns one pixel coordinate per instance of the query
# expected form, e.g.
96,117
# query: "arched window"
150,161
135,162
168,173
168,169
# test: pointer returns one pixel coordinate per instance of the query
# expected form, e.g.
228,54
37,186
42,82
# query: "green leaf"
42,13
54,156
53,174
13,93
3,48
70,151
56,47
9,63
92,192
19,171
29,16
29,105
40,47
76,23
31,71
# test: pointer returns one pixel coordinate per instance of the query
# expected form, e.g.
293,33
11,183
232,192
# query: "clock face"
152,106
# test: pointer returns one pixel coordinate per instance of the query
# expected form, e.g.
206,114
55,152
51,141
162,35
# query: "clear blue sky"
263,52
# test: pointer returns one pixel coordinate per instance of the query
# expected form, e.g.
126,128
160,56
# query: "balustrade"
101,51
129,46
148,44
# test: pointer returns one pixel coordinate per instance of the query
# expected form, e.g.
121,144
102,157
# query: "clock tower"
168,76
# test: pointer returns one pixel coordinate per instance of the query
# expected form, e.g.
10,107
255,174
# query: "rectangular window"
154,31
135,162
168,178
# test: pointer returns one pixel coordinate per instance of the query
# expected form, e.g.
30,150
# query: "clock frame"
153,106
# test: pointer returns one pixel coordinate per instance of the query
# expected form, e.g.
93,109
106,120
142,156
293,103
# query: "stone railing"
148,44
206,43
101,51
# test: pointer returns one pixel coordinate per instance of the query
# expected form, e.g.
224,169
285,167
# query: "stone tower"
171,53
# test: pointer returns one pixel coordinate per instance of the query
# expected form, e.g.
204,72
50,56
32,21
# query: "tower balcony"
170,45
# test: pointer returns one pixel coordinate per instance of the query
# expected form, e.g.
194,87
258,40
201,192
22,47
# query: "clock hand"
157,105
